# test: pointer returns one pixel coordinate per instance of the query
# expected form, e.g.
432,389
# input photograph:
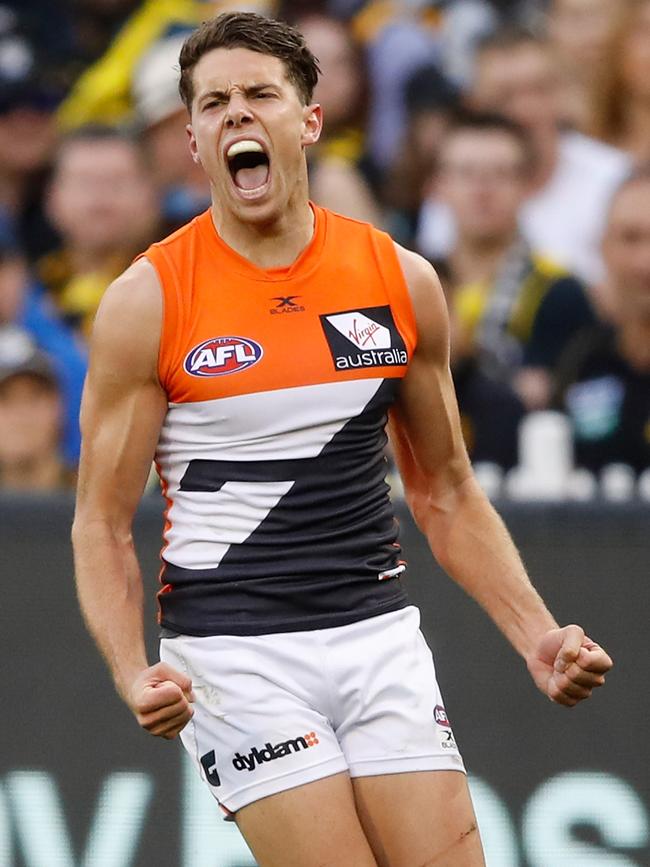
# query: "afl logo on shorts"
221,355
440,715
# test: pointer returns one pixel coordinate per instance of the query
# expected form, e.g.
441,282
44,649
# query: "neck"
276,243
43,473
478,261
635,138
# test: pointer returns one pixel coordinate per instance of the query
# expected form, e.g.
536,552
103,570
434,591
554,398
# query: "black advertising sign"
82,786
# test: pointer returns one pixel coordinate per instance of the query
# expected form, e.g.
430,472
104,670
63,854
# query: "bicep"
424,424
123,405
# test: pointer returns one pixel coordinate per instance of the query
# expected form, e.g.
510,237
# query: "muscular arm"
122,412
464,532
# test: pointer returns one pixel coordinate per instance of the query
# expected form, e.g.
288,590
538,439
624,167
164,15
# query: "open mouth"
249,165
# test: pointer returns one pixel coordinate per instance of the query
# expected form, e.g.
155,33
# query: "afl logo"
440,715
221,355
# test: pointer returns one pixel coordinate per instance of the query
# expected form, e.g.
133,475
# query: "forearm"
109,587
472,544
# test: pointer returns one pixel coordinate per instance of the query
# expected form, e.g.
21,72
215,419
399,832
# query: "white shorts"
277,711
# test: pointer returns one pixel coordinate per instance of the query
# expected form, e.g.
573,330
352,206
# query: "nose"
238,113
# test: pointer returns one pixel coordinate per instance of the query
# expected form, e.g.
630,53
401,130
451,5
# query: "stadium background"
80,784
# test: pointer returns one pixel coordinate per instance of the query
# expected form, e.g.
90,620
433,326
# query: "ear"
312,124
194,151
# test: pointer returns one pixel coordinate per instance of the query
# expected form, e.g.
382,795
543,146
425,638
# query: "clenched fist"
160,698
567,665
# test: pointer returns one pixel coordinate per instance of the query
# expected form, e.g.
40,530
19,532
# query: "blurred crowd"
507,141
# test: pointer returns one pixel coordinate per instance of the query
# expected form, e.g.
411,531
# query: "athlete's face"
626,249
244,98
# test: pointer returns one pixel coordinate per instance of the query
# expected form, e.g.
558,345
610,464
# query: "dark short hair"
489,122
256,33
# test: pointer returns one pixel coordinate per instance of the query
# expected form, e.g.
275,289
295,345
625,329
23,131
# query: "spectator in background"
339,167
622,102
516,310
563,218
399,39
31,412
604,376
102,94
432,104
102,202
72,34
22,305
182,185
581,32
27,136
490,410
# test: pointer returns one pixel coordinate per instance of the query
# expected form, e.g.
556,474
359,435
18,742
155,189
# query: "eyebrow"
251,90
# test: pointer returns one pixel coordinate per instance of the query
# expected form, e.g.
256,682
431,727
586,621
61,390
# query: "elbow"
435,507
89,530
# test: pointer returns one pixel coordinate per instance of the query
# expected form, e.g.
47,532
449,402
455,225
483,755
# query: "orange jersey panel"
340,311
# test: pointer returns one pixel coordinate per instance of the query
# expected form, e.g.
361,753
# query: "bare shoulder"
127,328
427,297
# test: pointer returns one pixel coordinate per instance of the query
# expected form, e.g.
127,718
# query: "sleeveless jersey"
271,454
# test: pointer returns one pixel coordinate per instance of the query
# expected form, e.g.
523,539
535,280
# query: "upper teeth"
244,147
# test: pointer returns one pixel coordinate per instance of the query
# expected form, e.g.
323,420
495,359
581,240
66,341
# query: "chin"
266,207
257,213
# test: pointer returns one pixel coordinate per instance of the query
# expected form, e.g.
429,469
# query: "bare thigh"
421,819
314,825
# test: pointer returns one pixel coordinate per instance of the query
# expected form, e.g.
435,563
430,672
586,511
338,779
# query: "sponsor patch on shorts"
443,728
270,751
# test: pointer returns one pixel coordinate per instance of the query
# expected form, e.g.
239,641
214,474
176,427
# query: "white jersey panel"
205,525
284,424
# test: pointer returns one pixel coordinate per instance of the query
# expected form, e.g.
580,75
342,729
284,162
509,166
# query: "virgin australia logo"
364,338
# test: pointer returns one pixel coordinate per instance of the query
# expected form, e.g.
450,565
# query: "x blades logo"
286,304
221,355
364,338
445,734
